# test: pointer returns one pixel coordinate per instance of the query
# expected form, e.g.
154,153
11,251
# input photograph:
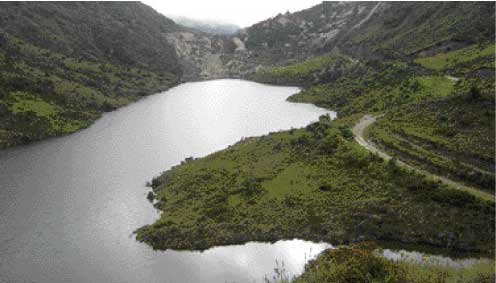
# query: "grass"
376,92
43,93
451,136
443,130
450,59
302,72
25,103
315,184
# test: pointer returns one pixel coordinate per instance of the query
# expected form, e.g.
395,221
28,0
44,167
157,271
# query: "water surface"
68,206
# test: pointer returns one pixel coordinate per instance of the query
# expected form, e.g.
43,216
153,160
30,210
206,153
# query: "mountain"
208,26
360,30
370,29
64,63
120,33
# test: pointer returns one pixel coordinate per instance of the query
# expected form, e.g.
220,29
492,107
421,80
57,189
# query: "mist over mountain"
208,26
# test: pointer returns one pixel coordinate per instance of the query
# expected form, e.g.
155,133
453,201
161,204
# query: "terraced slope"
453,137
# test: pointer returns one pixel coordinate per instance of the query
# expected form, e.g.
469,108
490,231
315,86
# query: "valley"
391,104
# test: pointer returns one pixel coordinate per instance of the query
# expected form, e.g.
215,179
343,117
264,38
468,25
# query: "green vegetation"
349,96
301,73
361,87
26,103
363,263
451,136
316,184
44,94
58,76
441,124
474,53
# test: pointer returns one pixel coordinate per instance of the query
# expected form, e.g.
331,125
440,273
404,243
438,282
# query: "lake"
69,205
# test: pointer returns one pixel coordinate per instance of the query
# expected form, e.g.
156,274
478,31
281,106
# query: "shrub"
346,131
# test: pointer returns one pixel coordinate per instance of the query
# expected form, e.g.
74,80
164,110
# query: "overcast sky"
239,12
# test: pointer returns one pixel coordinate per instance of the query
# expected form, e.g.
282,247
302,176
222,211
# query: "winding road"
367,120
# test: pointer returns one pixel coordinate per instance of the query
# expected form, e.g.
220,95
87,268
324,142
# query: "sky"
239,12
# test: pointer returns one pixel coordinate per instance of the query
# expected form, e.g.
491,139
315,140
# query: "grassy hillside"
476,56
452,136
314,184
129,34
358,86
63,64
435,121
303,73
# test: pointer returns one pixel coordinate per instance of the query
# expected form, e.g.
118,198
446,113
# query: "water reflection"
251,262
68,206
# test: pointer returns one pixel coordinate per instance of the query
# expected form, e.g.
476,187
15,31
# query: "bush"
346,132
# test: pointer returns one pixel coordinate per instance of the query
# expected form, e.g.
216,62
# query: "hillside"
120,33
371,30
62,64
438,97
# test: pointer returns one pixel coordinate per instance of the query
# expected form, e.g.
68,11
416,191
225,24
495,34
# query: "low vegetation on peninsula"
435,100
315,184
364,263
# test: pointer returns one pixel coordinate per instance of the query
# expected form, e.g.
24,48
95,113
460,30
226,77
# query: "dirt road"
367,120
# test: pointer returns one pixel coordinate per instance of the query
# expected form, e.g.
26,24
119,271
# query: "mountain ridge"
134,35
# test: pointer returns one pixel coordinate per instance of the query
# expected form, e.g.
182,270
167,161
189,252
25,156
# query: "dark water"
68,206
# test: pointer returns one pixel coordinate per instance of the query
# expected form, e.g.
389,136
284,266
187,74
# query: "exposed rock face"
196,54
363,30
284,38
205,56
305,33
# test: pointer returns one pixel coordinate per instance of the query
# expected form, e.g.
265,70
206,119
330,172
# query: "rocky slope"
361,30
370,29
